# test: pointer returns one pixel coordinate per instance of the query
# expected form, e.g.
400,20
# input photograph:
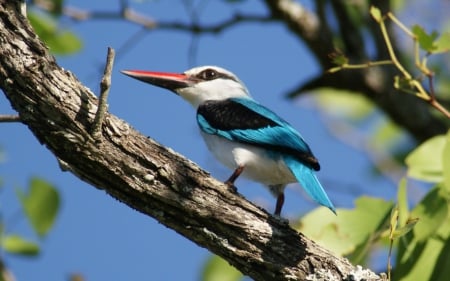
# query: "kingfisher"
244,135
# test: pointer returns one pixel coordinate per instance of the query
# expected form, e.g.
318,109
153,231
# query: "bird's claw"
231,186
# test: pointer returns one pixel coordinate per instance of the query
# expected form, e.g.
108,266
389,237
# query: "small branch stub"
105,85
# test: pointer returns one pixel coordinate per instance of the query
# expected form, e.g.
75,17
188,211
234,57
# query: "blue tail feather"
309,182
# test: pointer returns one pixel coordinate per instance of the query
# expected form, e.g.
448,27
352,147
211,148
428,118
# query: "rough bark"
146,176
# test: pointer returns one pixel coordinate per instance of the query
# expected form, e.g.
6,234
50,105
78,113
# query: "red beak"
170,81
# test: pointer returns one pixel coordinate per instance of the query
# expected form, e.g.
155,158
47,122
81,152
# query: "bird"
242,134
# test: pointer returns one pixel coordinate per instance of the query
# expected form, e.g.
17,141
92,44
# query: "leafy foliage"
60,41
40,205
353,230
423,167
427,42
423,252
16,244
217,269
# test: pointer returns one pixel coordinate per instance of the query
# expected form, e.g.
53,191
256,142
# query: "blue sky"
104,239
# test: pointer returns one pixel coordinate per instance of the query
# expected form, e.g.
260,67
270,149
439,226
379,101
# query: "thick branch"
59,110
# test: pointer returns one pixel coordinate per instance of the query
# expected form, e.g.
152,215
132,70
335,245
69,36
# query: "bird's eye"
208,74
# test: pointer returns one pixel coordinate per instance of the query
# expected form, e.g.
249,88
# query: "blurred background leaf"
217,269
60,41
40,204
15,244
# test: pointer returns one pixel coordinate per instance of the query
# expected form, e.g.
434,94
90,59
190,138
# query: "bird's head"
195,85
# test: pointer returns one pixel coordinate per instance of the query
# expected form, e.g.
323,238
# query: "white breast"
259,165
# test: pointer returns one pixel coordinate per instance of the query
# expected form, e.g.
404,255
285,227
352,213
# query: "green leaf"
443,43
376,14
402,202
446,163
15,244
217,269
432,212
393,222
40,204
423,253
406,228
344,104
442,266
352,230
426,162
426,41
60,42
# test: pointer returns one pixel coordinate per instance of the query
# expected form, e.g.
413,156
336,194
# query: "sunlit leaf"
422,249
15,244
402,202
446,163
217,269
60,41
426,162
404,229
443,43
40,204
351,229
441,270
426,41
432,212
400,222
393,223
344,104
64,43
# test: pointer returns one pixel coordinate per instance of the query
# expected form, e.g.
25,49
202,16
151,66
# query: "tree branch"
145,21
105,85
376,84
146,176
9,118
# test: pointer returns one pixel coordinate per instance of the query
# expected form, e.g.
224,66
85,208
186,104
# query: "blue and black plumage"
244,135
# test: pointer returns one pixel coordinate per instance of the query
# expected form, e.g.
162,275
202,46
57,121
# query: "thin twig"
359,66
416,86
133,16
105,84
9,118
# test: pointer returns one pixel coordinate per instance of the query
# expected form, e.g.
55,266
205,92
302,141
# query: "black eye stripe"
208,74
211,74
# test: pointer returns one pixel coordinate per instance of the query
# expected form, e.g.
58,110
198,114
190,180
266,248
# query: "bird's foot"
233,177
282,220
231,186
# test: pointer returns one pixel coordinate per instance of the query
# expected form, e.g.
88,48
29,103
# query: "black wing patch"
229,115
